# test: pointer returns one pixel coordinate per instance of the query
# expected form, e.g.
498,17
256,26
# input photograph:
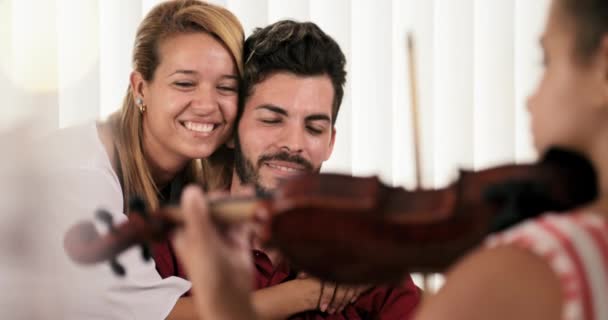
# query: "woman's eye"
183,84
227,88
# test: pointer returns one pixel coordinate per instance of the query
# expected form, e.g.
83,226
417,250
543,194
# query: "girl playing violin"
552,267
556,266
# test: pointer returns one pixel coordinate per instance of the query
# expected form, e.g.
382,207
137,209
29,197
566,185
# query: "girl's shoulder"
575,246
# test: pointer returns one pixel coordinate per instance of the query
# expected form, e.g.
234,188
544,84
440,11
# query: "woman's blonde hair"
165,20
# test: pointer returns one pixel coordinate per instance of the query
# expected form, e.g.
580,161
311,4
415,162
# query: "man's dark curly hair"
301,48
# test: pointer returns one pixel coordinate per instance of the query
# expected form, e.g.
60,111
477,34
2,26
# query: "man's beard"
250,174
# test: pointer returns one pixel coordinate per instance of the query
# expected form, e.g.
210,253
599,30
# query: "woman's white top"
81,180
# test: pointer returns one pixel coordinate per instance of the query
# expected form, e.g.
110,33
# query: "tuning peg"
105,217
118,269
138,205
146,252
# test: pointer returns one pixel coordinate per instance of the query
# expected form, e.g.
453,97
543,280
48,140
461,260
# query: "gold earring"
140,105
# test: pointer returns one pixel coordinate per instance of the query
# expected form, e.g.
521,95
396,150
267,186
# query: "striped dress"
576,247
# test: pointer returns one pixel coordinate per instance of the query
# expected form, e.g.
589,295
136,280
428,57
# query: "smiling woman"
183,71
187,108
176,116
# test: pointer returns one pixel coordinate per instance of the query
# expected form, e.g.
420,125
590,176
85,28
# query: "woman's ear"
137,85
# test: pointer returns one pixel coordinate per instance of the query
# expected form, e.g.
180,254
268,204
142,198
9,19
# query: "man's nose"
293,139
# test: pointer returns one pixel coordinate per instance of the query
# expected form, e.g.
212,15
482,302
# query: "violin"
358,230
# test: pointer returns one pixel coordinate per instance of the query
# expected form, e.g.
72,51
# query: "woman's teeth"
199,127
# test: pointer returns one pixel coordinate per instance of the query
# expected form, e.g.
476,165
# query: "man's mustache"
284,156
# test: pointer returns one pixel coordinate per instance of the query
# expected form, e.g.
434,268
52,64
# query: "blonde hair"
163,21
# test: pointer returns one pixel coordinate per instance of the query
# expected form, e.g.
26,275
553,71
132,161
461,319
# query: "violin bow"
414,108
415,127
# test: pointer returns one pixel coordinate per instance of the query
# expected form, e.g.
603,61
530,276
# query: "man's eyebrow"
273,108
318,116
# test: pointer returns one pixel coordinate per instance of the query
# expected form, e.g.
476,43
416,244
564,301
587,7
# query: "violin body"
374,233
358,230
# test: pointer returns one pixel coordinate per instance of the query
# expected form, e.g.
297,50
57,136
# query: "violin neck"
234,209
229,210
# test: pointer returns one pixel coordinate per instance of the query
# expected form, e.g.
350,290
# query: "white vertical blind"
529,22
371,94
334,17
33,65
118,23
493,83
34,43
78,64
453,90
292,9
252,14
143,5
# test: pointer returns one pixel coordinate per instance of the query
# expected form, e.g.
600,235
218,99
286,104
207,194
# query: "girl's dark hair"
591,21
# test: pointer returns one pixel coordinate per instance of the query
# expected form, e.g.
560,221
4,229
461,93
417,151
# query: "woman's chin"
201,153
